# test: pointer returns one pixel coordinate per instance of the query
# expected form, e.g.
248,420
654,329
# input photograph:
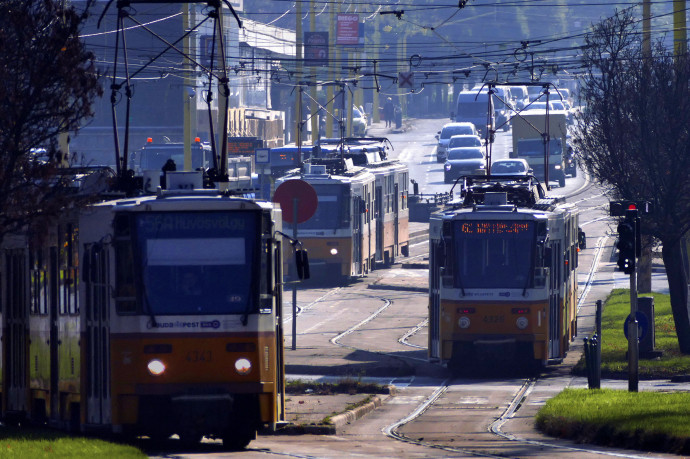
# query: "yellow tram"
362,216
502,275
153,315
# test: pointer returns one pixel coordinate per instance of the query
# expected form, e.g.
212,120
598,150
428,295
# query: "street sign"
263,156
316,48
347,29
406,80
303,194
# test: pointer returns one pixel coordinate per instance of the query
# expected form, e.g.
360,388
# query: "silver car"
448,131
463,161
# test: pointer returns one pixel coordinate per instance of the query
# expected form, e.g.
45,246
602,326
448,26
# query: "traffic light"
627,241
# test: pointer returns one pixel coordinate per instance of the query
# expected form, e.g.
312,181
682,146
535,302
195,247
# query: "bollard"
592,362
588,363
595,352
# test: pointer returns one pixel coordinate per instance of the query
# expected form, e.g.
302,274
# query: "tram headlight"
522,322
334,251
156,367
464,322
243,366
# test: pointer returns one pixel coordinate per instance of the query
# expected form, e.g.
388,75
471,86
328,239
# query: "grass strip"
614,345
651,421
30,442
345,386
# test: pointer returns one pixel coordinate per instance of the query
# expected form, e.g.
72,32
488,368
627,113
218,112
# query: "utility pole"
377,45
186,91
312,92
680,34
646,28
299,63
332,62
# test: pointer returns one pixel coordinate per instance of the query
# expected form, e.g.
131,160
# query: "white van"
520,96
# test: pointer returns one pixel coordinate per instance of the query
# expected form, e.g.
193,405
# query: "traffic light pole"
633,341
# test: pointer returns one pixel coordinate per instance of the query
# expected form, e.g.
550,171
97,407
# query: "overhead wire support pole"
121,156
209,95
225,93
547,141
114,88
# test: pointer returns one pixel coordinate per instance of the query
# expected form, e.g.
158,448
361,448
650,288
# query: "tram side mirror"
302,263
581,239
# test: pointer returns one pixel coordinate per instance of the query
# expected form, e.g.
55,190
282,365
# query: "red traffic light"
632,206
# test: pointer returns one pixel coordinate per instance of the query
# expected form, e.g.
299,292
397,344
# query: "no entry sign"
296,192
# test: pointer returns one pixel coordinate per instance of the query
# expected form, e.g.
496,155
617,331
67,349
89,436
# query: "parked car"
359,122
449,130
516,166
463,161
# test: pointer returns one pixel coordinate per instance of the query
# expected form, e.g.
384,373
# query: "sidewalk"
379,129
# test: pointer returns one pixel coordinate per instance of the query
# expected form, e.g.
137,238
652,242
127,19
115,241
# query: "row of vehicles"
161,313
460,143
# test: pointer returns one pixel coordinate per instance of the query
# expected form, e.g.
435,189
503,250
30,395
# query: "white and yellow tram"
362,216
502,276
150,315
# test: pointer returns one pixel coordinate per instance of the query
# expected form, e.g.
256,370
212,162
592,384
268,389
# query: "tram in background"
150,315
362,216
502,276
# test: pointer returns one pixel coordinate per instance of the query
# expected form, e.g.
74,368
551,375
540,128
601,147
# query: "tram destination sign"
495,227
243,146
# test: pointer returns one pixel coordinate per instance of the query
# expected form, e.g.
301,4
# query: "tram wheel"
237,441
190,439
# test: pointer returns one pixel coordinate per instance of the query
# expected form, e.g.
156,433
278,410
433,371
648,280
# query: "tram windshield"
535,147
197,262
494,254
332,210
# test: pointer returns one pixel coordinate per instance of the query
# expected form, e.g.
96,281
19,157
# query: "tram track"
516,402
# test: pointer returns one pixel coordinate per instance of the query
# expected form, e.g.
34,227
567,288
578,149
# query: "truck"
473,106
529,130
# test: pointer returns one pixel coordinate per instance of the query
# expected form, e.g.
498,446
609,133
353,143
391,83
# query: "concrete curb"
347,417
398,287
337,421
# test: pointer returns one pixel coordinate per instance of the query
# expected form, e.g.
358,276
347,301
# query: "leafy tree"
48,85
634,137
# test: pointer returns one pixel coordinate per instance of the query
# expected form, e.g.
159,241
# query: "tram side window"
125,292
39,283
403,190
15,264
390,193
67,272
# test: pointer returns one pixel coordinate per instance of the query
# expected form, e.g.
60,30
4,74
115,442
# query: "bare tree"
633,136
48,85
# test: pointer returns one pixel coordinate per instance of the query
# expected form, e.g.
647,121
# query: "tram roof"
520,191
